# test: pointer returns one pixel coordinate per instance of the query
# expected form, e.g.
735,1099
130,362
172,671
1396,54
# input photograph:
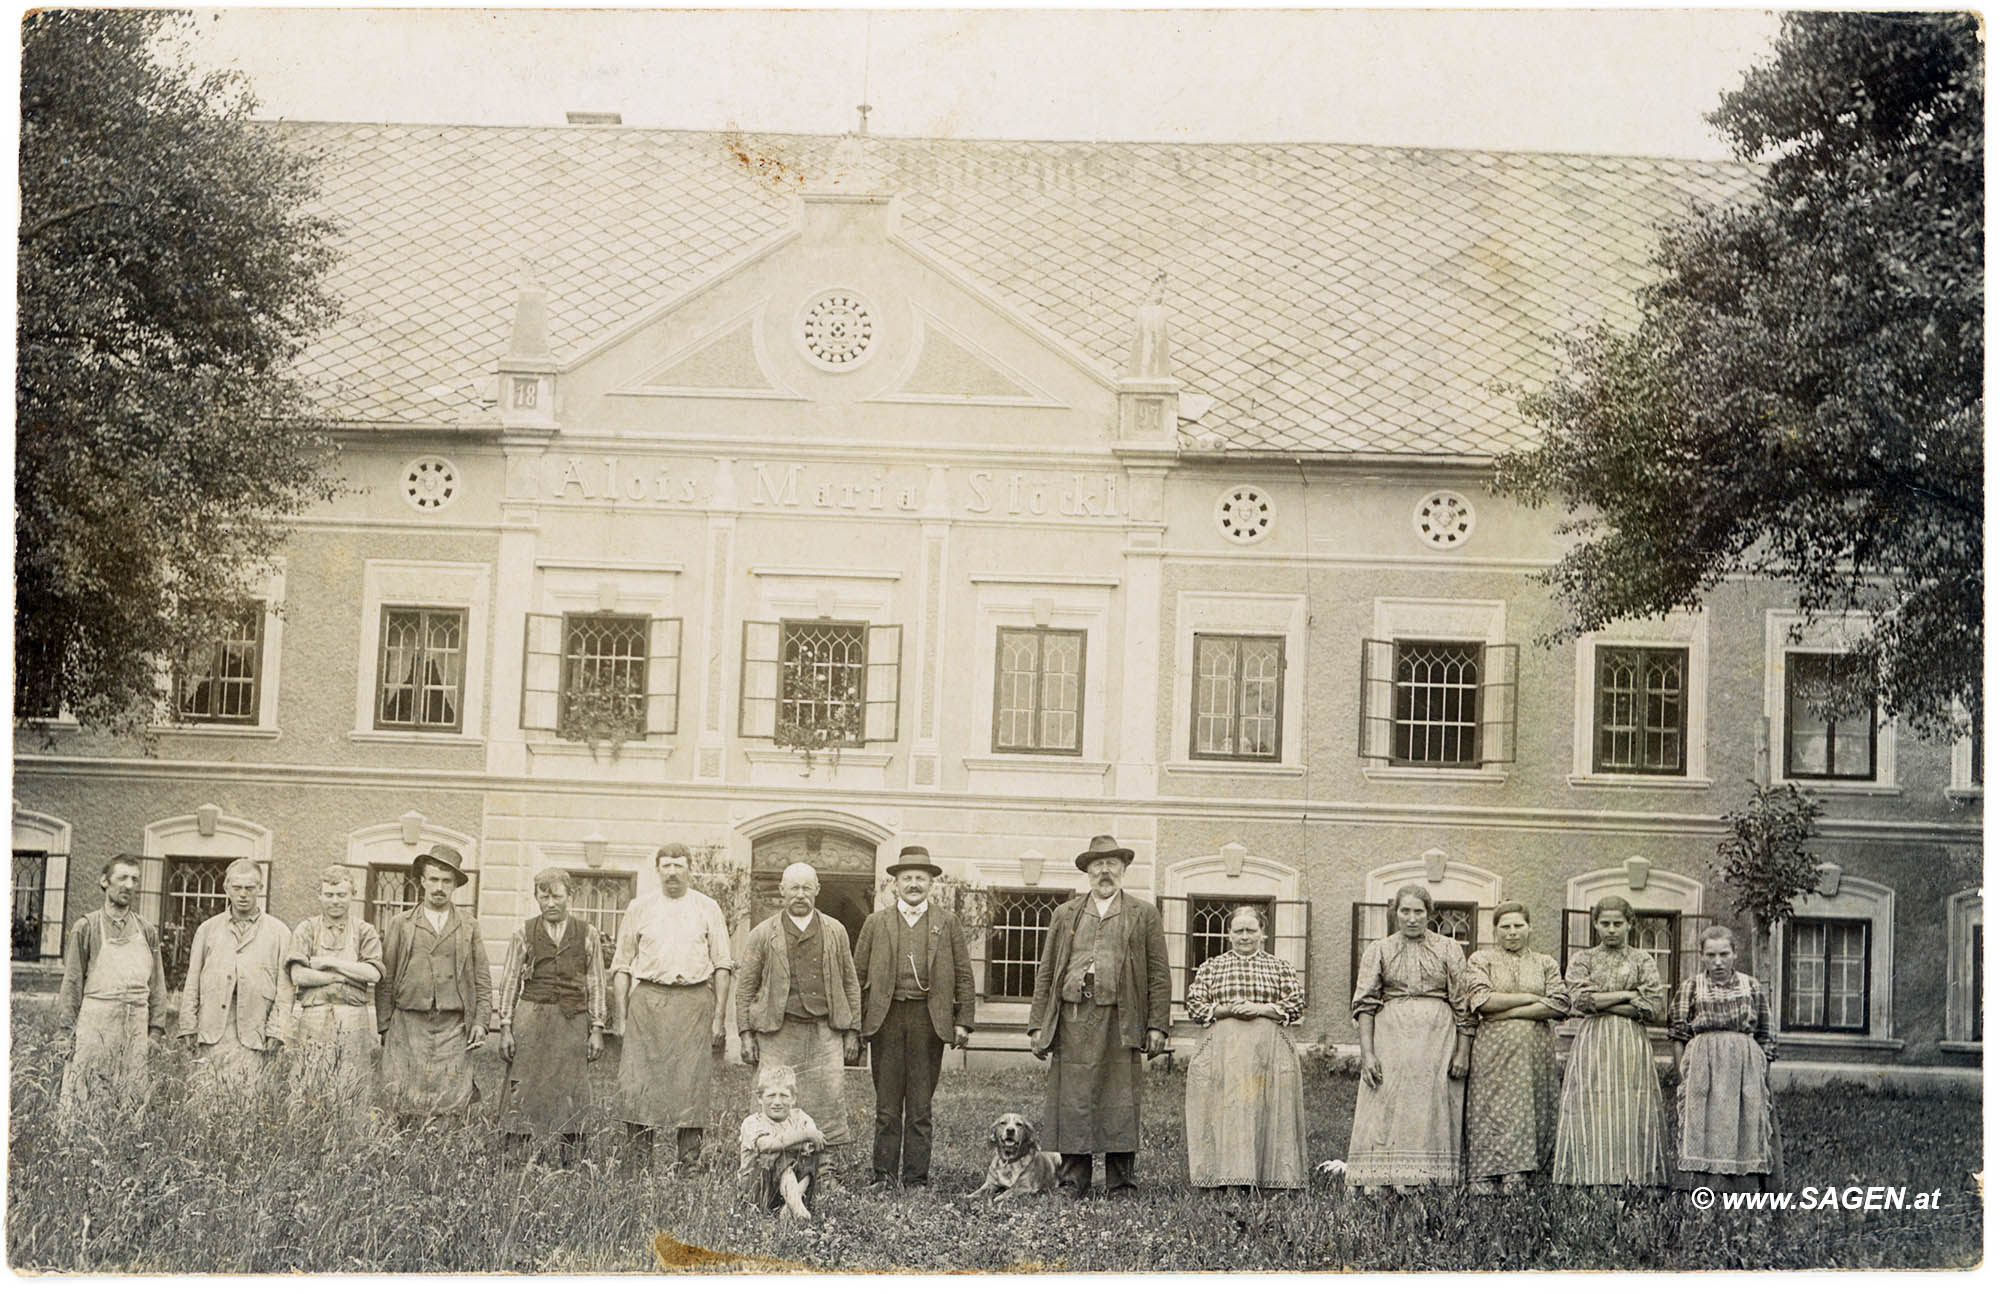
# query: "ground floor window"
1014,940
1826,975
1208,925
392,889
601,899
1662,934
190,893
1455,920
31,869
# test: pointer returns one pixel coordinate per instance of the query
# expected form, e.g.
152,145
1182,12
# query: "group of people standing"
1459,1051
1457,1056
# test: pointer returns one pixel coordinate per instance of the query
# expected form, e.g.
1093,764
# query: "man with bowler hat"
1101,999
916,996
436,989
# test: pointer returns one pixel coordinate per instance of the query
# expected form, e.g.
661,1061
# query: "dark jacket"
1144,992
468,955
764,976
80,949
947,969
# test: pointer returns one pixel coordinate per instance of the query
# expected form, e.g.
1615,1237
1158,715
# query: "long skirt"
107,1073
333,1062
1093,1094
426,1069
1406,1131
813,1048
1510,1099
1246,1108
551,1069
1725,1106
1608,1131
664,1071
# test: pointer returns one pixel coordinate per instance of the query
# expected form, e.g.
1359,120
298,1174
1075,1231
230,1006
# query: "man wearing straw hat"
1101,999
916,985
436,991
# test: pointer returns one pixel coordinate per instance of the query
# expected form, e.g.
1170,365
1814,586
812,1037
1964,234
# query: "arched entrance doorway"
846,867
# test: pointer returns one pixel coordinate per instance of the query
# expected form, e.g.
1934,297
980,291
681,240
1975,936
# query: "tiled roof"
1326,298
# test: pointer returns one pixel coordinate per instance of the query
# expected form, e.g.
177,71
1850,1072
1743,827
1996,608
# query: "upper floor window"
1642,710
1826,975
601,676
1038,692
1239,686
1825,737
821,683
219,684
420,674
1436,703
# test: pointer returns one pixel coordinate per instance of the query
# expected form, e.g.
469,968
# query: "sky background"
1579,80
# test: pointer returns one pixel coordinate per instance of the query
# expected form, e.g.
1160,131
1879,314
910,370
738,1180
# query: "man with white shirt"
798,1002
916,984
670,979
1101,998
432,1003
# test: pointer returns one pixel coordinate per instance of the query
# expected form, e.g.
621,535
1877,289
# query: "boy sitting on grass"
779,1150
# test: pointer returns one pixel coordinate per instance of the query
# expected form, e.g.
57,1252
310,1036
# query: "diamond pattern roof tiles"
1328,298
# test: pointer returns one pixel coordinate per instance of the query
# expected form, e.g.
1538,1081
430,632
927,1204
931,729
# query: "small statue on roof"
1151,349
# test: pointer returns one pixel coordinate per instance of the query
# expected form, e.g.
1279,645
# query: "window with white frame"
1826,975
1232,706
1239,690
420,679
1038,691
422,652
601,899
1829,717
1642,710
219,682
1819,704
1438,685
1836,960
1965,990
821,682
601,675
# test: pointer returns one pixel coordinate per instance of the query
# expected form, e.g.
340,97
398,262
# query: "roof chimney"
595,119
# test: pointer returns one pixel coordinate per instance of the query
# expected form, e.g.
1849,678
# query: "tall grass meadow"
186,1187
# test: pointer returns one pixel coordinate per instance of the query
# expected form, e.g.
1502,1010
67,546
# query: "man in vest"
798,1002
1101,995
114,996
431,1006
237,1004
552,1015
916,979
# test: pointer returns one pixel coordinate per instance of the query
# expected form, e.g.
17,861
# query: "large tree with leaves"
1801,397
171,268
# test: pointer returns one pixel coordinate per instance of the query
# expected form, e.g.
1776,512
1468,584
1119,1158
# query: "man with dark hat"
916,996
431,1006
1101,999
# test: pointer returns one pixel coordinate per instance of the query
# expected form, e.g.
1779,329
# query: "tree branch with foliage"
171,270
1763,858
1802,396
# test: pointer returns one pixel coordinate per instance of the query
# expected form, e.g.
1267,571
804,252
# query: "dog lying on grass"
1017,1168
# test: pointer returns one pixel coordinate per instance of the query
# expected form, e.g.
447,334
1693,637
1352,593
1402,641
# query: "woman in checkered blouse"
1720,1023
1246,1109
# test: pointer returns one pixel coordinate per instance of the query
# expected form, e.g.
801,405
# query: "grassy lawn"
249,1193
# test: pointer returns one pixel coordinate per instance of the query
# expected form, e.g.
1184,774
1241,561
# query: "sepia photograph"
1026,641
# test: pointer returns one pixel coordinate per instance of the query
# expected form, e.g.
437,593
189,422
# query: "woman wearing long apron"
1721,1028
1416,1043
1246,1108
1609,1130
1511,1094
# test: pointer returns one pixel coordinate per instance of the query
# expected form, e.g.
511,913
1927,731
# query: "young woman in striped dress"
1608,1132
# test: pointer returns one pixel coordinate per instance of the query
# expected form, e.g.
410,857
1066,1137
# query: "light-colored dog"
1017,1168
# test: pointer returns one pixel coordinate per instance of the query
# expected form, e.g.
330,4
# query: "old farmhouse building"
805,497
